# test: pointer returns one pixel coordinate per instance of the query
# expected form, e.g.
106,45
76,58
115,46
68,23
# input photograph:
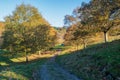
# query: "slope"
97,62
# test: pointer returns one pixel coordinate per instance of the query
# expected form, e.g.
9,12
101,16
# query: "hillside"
60,34
97,62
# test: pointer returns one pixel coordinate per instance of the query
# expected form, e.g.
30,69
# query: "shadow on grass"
15,70
79,62
5,59
95,62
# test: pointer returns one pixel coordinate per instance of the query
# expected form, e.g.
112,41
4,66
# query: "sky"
52,10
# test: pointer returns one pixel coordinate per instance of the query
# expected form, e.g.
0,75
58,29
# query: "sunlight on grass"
22,59
16,68
31,57
3,63
22,71
9,75
71,49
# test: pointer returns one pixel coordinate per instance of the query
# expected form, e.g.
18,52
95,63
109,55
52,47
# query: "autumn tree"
69,20
45,37
98,13
82,33
69,35
70,23
20,30
116,16
77,31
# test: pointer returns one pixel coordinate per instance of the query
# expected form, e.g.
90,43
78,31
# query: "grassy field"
88,64
95,62
18,69
23,71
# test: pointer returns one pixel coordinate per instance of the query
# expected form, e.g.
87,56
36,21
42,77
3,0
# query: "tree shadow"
21,68
27,69
5,59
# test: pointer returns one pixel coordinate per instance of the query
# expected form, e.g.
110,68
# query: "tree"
98,13
19,29
69,20
77,32
28,15
116,16
69,35
1,31
82,33
45,37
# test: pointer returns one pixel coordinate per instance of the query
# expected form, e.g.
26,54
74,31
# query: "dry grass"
31,57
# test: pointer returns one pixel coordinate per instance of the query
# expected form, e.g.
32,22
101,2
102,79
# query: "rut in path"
51,71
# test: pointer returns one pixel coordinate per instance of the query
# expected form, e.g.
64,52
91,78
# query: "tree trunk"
26,56
10,48
105,37
39,52
77,46
84,44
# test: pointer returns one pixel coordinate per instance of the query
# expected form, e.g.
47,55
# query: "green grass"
19,71
89,64
3,51
93,62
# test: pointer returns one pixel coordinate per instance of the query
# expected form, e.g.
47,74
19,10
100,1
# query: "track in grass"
51,71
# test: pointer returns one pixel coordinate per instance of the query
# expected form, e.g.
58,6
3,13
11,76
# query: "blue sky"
52,10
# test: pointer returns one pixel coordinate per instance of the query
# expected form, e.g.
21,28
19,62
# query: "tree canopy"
27,31
95,16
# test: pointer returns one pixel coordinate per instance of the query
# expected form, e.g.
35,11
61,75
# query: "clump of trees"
27,31
92,17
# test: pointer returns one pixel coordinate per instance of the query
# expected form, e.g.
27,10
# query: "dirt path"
51,71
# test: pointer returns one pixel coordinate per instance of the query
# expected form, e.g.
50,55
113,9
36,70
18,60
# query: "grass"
88,64
23,71
17,69
94,62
